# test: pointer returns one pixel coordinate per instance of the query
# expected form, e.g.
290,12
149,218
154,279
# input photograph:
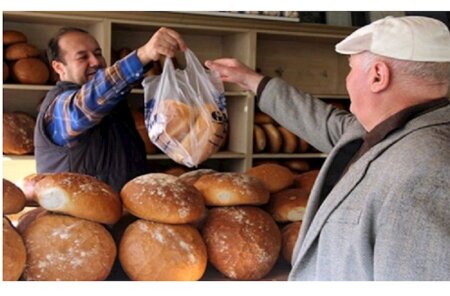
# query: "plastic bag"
185,111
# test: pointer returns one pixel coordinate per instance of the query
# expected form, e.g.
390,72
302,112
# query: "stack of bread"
23,60
162,244
65,238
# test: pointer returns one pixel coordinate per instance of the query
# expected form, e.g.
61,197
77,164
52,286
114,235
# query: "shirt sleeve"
75,111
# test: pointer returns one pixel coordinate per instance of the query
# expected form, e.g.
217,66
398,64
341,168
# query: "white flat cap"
412,38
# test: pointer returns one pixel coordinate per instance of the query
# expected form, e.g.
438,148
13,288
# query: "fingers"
167,42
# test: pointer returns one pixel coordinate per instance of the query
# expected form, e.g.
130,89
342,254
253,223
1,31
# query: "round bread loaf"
228,189
64,248
18,130
163,198
303,146
306,180
273,136
28,184
14,253
12,36
5,71
275,177
29,216
79,195
288,205
13,198
139,122
192,176
176,171
289,140
30,71
19,51
243,243
298,165
289,234
151,251
262,118
259,139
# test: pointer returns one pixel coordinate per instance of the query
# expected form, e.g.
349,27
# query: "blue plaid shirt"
75,111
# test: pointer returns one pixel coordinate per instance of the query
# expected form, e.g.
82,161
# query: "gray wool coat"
388,218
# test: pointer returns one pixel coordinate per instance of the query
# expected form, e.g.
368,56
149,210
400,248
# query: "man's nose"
95,60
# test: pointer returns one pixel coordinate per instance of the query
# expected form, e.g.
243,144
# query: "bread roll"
64,248
79,195
289,140
192,176
21,51
262,118
14,253
28,217
228,189
259,139
30,71
289,234
28,184
163,198
13,198
298,165
12,37
275,177
243,242
18,130
139,122
306,180
5,71
288,205
274,139
151,251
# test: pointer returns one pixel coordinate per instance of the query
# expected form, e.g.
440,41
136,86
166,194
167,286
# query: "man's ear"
380,76
58,67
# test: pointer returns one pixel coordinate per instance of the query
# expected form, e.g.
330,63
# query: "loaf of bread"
175,171
29,216
18,132
79,195
288,205
262,118
64,248
228,189
192,176
259,139
151,251
289,140
13,198
275,177
30,71
28,184
14,253
139,122
306,180
13,36
19,51
273,136
243,242
163,198
303,146
289,234
297,165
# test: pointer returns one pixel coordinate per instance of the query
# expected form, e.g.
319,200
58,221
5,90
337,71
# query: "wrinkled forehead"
73,42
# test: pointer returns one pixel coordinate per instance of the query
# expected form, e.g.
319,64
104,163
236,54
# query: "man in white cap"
380,207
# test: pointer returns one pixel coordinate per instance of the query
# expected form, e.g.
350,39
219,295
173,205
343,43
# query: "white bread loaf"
243,242
79,195
18,131
275,177
288,205
163,198
13,198
228,189
289,234
64,248
151,251
14,253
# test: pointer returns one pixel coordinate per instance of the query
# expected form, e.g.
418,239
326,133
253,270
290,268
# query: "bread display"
151,251
13,36
79,195
289,234
289,140
30,71
139,122
14,253
228,189
243,242
192,176
163,198
259,139
64,248
21,51
13,198
275,177
18,132
306,180
288,205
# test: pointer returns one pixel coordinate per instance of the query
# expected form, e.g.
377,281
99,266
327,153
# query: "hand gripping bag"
185,111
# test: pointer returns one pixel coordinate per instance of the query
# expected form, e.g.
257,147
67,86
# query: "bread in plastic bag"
185,111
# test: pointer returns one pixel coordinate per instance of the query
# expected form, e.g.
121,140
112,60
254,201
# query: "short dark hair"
53,50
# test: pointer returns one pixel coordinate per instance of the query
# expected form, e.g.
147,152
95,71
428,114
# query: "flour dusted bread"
243,242
163,198
79,195
28,184
227,189
274,176
288,205
151,251
14,253
13,198
18,130
289,234
64,248
192,176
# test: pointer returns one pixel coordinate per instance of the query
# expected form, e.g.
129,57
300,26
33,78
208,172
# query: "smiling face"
80,57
